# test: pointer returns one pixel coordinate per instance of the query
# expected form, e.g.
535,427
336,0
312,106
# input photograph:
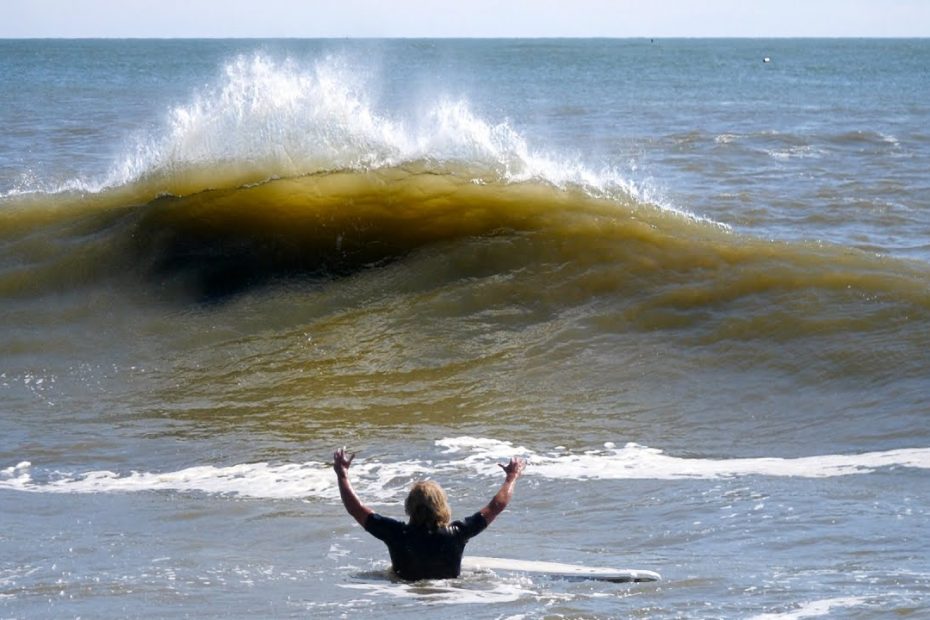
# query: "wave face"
666,269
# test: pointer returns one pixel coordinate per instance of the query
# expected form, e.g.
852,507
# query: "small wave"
862,137
385,482
787,145
796,152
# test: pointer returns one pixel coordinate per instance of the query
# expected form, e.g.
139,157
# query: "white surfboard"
557,569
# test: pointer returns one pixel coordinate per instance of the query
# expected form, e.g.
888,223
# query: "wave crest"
268,119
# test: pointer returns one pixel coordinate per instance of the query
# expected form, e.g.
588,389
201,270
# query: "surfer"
430,544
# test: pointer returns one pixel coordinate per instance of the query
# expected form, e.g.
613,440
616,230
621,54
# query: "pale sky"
464,18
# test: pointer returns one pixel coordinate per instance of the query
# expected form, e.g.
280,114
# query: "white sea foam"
446,593
814,609
261,480
387,481
636,461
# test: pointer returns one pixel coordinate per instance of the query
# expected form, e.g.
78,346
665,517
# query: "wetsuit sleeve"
383,528
471,526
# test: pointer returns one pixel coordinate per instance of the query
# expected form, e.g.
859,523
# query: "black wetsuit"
420,553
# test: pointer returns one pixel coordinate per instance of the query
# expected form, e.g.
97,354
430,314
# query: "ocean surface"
690,286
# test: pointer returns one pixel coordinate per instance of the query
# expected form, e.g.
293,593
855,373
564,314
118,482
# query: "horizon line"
460,38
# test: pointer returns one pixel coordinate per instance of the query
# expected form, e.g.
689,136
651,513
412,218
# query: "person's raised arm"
354,506
512,470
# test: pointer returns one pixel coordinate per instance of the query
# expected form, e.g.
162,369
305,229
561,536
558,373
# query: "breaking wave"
266,119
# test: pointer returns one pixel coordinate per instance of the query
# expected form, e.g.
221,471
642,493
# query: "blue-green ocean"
688,280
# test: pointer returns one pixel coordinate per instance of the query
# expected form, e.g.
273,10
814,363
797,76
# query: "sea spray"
264,118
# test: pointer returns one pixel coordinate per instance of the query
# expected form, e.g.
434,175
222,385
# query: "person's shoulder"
470,525
376,522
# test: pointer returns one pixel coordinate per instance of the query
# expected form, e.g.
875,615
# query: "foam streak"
385,482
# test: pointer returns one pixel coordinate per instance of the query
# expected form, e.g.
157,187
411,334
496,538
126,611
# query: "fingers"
515,466
340,458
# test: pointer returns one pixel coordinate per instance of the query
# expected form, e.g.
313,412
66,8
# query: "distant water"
690,286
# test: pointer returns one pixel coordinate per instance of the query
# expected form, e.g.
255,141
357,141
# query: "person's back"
429,546
419,552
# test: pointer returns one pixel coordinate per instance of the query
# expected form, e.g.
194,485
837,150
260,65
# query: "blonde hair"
427,505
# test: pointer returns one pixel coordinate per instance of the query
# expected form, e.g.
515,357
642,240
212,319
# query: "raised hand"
514,468
341,462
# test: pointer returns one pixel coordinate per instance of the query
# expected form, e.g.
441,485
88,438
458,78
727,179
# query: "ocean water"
691,287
